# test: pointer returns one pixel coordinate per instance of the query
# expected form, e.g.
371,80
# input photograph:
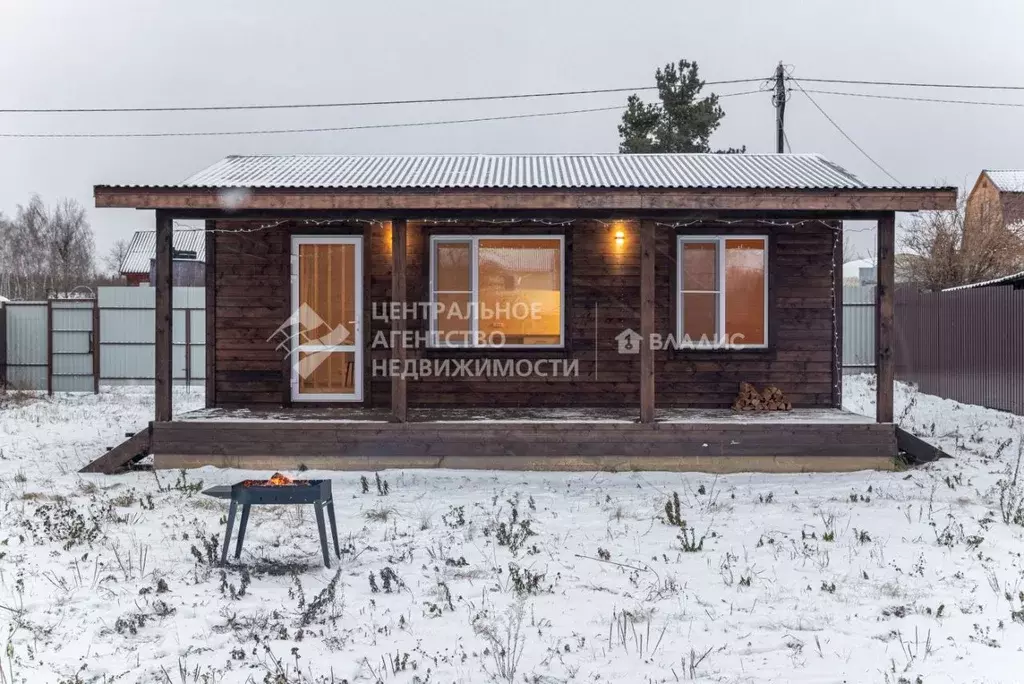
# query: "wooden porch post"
210,282
399,403
647,252
884,311
163,377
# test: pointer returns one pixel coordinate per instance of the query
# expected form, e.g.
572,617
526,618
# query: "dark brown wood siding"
801,326
602,299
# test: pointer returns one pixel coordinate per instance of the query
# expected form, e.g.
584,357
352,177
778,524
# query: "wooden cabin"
523,311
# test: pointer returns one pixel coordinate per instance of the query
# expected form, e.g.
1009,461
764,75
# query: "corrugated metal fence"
859,329
966,345
77,344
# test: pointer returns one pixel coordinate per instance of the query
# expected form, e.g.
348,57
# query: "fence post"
188,342
3,345
49,346
96,345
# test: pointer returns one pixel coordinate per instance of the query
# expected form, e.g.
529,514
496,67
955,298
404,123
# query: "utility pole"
779,100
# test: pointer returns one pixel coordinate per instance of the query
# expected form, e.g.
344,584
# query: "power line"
845,135
368,103
908,98
330,129
905,84
327,129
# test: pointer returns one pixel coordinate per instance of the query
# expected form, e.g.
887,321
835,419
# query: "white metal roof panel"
143,248
537,171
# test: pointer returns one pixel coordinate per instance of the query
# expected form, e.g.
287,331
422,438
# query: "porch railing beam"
647,257
884,314
163,377
399,401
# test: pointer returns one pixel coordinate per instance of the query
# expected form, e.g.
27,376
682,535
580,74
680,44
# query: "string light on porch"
746,222
495,222
378,222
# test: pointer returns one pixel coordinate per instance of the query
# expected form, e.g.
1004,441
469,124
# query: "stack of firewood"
771,399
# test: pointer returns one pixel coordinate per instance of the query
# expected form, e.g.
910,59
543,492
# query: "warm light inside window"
745,275
327,293
497,291
723,290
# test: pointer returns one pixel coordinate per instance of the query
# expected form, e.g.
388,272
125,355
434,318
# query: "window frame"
720,240
474,251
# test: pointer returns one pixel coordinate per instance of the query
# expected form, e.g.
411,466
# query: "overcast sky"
106,53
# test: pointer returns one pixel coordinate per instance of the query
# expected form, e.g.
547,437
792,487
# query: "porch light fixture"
620,237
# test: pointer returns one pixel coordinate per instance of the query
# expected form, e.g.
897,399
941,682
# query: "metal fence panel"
72,336
125,342
858,329
964,345
27,345
127,321
127,326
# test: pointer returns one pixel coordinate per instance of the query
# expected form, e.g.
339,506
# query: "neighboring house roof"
1012,279
143,248
1006,180
1010,187
851,269
533,171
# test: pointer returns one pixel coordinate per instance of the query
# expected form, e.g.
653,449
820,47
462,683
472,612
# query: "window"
723,292
497,291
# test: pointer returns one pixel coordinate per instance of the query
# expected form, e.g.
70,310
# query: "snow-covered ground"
908,576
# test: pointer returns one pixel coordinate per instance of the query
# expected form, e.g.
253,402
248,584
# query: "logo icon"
629,341
305,322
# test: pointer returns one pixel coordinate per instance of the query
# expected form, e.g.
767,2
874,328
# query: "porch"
358,438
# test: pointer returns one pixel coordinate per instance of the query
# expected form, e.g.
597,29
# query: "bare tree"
952,248
72,247
850,253
45,253
112,262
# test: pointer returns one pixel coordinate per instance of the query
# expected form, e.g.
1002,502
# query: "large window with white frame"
722,294
497,291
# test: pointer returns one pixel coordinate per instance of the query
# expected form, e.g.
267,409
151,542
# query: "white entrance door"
326,324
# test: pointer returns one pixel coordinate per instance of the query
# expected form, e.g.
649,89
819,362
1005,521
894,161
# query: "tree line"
50,251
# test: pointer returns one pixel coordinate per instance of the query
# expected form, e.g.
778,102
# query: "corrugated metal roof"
1005,280
582,171
143,248
1007,180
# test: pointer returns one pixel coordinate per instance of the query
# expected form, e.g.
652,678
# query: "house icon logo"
629,341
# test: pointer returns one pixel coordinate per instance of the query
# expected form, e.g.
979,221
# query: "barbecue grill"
278,490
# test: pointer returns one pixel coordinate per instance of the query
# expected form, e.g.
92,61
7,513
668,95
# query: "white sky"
70,53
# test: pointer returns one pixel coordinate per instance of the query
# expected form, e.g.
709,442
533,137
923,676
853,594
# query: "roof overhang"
239,200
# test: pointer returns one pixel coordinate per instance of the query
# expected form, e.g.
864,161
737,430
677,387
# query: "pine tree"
680,123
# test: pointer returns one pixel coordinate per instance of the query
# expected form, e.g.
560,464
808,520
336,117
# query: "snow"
862,577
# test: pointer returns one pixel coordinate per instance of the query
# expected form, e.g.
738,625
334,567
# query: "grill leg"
227,532
241,529
334,526
318,508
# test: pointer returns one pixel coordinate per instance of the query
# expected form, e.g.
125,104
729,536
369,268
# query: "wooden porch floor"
814,416
525,439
